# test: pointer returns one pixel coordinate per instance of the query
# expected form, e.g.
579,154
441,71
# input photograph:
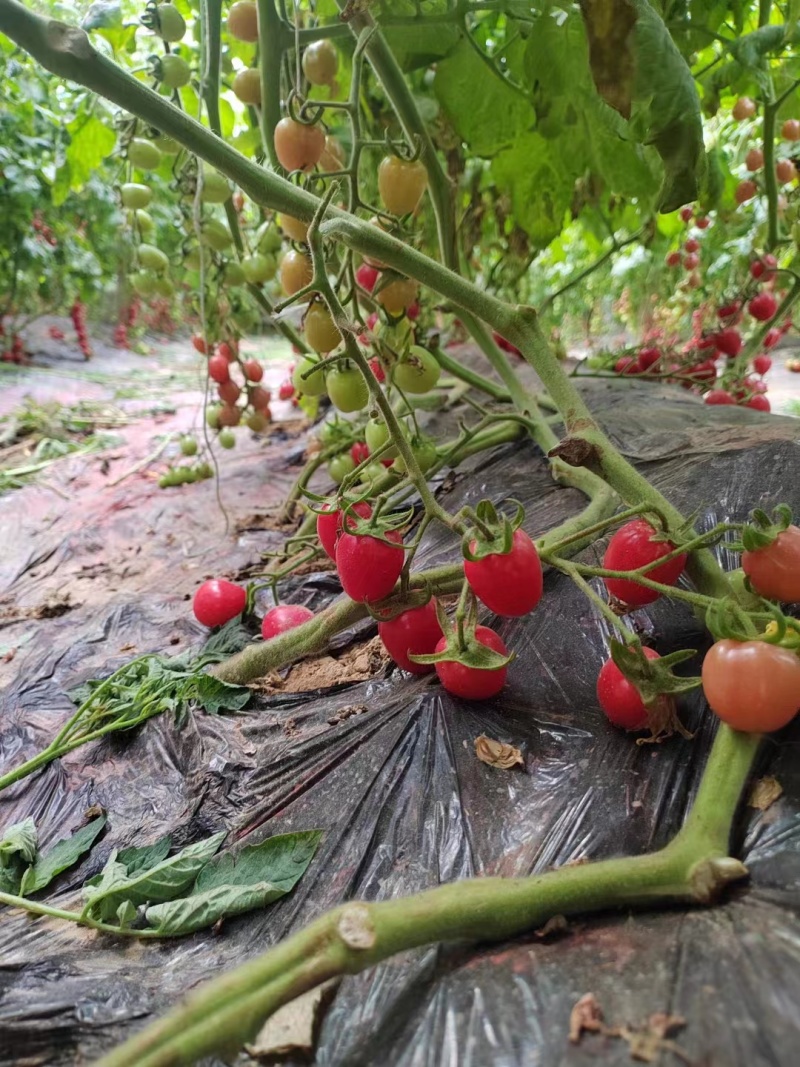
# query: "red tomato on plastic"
329,525
619,698
416,632
369,568
759,403
632,547
647,357
774,571
508,583
284,617
218,601
472,683
752,686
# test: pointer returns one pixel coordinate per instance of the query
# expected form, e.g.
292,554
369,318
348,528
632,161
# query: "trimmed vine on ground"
375,265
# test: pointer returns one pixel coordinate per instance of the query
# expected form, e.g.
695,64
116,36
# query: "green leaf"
484,110
143,857
18,843
61,856
92,141
165,881
539,182
233,637
281,860
215,696
126,914
201,910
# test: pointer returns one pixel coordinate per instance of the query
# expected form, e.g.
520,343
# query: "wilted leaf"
215,696
586,1015
764,793
611,54
293,1028
647,1044
497,753
18,842
61,856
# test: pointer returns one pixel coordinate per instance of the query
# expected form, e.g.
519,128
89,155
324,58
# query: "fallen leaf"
497,753
586,1015
646,1044
554,927
764,793
293,1028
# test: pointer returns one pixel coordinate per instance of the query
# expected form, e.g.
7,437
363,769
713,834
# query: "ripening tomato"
258,398
247,86
229,392
785,171
790,131
415,632
298,146
218,601
619,698
321,62
754,160
673,259
369,567
243,21
691,261
648,357
397,295
744,191
508,583
198,341
253,370
321,331
473,683
294,228
284,617
296,272
218,369
367,276
631,547
774,571
329,524
751,685
691,245
228,416
258,421
744,108
401,184
359,450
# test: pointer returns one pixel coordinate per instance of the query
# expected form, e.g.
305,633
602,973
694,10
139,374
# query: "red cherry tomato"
627,365
229,392
367,276
774,571
619,698
673,259
284,617
702,222
647,357
759,403
286,390
253,370
761,364
718,396
329,525
218,369
771,337
473,683
632,547
729,341
752,686
692,245
369,568
415,632
199,343
687,214
218,601
508,583
763,307
377,369
359,452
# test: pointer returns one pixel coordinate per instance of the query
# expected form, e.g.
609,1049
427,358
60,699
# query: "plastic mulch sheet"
386,767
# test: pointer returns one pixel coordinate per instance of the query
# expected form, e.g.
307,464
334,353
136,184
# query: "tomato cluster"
78,315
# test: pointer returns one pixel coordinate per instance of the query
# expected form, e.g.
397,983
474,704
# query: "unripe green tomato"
212,417
259,268
373,472
134,195
144,220
216,235
188,446
184,475
340,466
205,470
270,240
152,258
171,26
347,388
424,452
234,274
142,283
143,154
227,438
418,372
165,481
314,385
166,145
376,435
175,72
193,258
257,422
216,189
164,287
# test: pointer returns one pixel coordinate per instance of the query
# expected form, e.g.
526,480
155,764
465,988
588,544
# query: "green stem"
587,271
770,177
471,377
34,907
270,49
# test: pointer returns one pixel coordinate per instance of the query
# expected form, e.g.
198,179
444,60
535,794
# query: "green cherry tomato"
175,72
188,446
216,189
227,438
424,452
377,434
259,268
134,195
143,283
347,388
314,384
152,258
143,154
171,26
340,466
212,417
418,371
216,235
234,274
144,220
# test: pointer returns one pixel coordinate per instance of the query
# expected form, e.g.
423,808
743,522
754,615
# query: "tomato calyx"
492,534
378,527
461,644
657,685
762,530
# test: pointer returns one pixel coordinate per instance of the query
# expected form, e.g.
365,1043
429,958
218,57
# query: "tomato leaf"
215,696
143,857
63,855
17,850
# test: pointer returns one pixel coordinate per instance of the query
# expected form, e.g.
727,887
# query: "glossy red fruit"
751,685
472,683
199,343
763,307
701,372
228,350
286,390
329,525
729,311
415,632
368,567
774,571
691,261
218,601
253,370
626,365
377,369
691,245
508,583
648,357
359,451
218,369
229,392
764,268
367,276
729,341
619,698
702,222
754,160
744,191
761,364
673,259
718,396
758,403
631,547
771,338
687,213
284,617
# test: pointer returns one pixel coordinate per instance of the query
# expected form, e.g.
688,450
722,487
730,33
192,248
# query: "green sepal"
416,598
653,678
476,545
762,531
462,646
375,526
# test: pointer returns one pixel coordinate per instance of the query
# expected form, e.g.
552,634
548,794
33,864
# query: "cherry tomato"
648,357
401,184
771,338
321,331
218,369
745,190
673,259
729,341
228,416
294,228
347,388
718,396
702,222
764,267
243,21
329,525
259,398
247,86
691,261
314,384
752,686
229,392
284,617
199,343
296,272
759,403
321,62
253,370
218,601
340,466
763,307
774,571
473,683
761,364
297,146
258,421
175,73
744,108
790,131
398,295
508,583
171,26
619,698
359,451
417,372
377,369
785,171
135,196
687,214
631,547
369,568
415,632
367,276
692,245
286,390
754,160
